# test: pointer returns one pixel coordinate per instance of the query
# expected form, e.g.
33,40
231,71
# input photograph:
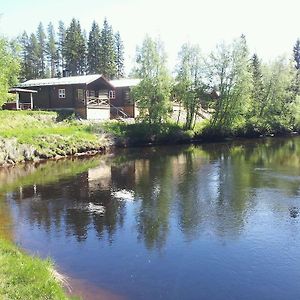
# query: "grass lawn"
25,277
28,134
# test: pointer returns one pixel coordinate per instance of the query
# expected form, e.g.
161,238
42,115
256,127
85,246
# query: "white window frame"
112,94
61,93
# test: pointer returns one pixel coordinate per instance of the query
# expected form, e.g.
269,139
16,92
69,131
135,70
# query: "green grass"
29,134
24,277
28,126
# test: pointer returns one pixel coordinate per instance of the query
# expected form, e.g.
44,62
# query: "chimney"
66,73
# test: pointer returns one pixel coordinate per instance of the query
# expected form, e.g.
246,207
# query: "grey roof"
84,79
17,90
125,82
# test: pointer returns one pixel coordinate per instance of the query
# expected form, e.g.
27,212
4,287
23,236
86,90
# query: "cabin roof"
124,82
18,90
83,79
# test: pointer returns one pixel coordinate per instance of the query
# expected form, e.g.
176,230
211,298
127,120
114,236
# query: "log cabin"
87,95
90,97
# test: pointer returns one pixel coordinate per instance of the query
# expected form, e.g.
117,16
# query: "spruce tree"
119,56
60,46
296,84
297,55
74,49
52,52
107,52
41,38
257,87
94,51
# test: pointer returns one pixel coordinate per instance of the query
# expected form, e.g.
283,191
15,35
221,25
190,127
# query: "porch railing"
101,100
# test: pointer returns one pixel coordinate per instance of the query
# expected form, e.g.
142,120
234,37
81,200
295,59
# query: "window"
80,94
112,94
92,93
61,93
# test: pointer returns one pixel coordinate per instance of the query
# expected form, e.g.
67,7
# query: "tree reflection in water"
205,189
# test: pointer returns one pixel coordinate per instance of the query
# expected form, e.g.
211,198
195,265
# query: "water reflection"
198,184
155,197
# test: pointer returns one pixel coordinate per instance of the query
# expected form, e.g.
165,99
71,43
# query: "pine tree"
119,56
60,46
41,38
74,49
94,50
107,52
25,73
52,52
34,57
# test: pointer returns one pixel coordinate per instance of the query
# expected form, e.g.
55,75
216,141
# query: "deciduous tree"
154,91
189,85
9,67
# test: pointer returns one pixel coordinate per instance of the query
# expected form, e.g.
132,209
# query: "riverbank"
26,277
38,135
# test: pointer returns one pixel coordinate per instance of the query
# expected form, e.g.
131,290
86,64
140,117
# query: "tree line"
49,53
252,97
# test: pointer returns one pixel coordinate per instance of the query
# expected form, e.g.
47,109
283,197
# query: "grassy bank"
33,135
25,277
29,135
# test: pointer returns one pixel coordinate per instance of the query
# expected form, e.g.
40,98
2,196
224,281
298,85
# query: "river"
211,221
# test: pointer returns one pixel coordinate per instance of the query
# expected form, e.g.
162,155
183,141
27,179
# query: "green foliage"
144,133
153,93
108,65
74,49
52,51
258,88
41,51
25,277
189,85
94,50
119,56
228,72
9,67
60,45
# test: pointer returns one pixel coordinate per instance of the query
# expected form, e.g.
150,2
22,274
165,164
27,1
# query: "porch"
17,105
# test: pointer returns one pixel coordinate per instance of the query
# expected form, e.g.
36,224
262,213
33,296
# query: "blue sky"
271,27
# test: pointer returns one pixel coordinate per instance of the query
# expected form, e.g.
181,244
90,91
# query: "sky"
271,27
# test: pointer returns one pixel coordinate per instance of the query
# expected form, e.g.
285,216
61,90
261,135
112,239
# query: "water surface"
217,221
